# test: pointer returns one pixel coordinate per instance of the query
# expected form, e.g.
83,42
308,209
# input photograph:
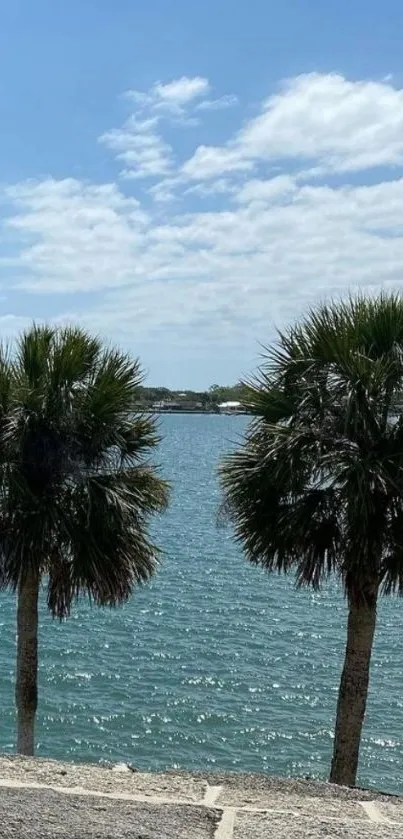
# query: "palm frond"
321,468
77,485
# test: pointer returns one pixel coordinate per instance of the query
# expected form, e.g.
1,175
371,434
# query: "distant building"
167,405
230,408
162,405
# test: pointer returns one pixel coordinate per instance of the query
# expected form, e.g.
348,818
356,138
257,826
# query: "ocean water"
215,664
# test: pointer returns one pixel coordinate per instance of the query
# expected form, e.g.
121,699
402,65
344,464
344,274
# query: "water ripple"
214,664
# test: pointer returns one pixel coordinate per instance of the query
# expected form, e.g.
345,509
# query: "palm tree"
317,485
76,486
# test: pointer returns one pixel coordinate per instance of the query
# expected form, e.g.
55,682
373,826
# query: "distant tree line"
205,399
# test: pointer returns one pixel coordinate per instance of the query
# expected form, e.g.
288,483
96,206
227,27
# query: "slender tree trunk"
26,692
353,690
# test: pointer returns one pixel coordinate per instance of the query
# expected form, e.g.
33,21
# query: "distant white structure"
230,408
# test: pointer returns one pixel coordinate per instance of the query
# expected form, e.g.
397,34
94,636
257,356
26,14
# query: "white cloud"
179,92
227,101
164,191
210,162
345,125
140,148
281,187
75,236
340,125
139,143
267,242
172,96
258,260
221,186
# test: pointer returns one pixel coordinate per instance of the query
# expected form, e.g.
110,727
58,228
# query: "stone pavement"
49,799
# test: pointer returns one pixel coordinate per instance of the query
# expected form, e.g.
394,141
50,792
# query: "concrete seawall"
49,799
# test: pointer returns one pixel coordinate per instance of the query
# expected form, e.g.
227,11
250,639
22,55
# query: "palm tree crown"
317,486
76,489
76,486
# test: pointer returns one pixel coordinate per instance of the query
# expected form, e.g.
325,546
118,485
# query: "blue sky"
182,178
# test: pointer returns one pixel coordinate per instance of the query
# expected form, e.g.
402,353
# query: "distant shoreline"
152,410
217,399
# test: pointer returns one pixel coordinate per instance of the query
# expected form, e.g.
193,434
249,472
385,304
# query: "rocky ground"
52,799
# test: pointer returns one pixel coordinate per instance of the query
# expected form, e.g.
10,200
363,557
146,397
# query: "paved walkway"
49,799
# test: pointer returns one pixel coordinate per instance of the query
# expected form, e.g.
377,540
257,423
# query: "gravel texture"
254,783
257,826
392,810
113,779
55,800
297,804
44,814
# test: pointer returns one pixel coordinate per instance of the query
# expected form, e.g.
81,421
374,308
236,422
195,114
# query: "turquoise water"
213,665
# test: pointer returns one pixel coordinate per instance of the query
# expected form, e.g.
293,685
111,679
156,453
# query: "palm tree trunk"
353,690
26,691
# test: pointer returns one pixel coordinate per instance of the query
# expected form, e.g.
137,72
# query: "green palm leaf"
77,484
317,486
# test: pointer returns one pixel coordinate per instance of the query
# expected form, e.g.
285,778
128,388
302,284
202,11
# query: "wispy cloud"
227,101
256,236
139,143
142,150
175,95
214,161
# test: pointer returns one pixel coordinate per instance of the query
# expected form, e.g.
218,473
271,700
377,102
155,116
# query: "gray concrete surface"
53,799
258,826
